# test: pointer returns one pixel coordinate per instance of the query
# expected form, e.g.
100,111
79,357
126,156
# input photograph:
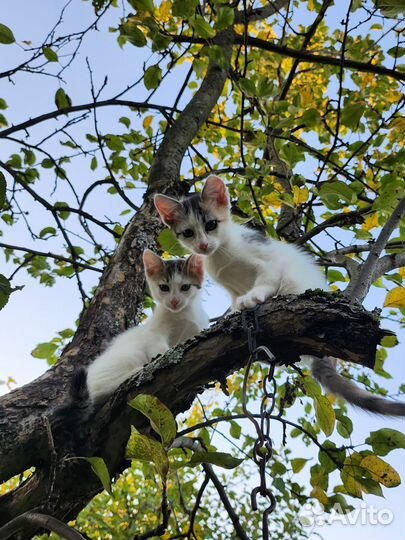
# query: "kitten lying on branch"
253,268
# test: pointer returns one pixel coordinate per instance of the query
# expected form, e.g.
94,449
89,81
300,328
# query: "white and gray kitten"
175,286
253,268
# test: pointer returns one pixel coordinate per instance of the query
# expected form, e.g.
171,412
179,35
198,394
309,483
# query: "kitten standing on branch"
175,286
253,268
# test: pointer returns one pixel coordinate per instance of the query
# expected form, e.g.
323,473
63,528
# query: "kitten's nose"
203,246
174,302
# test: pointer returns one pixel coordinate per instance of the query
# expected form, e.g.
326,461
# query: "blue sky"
35,314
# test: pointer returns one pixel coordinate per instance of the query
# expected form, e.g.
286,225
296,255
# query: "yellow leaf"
311,5
401,271
395,298
371,222
163,12
307,95
273,199
325,414
147,121
398,123
318,493
300,195
381,471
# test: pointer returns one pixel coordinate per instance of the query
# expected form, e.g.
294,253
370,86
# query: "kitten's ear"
195,266
152,263
169,209
215,191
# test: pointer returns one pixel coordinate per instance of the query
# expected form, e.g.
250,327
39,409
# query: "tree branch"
86,107
42,521
360,286
177,138
282,50
388,263
51,255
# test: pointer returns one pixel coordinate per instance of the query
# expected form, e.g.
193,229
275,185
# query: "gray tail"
323,369
78,407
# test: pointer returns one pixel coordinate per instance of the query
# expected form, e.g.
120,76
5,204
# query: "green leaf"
319,477
202,27
143,448
59,206
311,118
291,154
152,77
160,416
143,6
47,163
332,193
5,290
62,100
184,9
125,120
99,468
351,115
29,157
168,242
93,163
311,386
50,54
298,464
114,143
344,426
385,440
225,17
133,34
47,232
391,8
352,486
389,341
6,35
235,430
3,187
325,415
247,86
221,459
44,351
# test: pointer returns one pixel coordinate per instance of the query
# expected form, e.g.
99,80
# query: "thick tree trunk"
290,326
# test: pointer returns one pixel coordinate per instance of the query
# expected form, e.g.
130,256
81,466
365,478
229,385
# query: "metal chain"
263,446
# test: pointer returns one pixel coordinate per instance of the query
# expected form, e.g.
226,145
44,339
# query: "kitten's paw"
250,300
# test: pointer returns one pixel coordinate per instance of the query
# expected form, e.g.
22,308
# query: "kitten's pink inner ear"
195,266
169,209
215,191
152,263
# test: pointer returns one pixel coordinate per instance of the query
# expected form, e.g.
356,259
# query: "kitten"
252,268
175,285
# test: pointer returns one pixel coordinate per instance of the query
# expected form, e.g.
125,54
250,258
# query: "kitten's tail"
79,405
323,369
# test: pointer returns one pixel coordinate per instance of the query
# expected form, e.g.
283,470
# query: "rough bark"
290,326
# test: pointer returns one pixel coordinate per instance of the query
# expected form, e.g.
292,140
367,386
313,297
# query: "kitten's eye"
188,233
185,287
211,225
164,288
